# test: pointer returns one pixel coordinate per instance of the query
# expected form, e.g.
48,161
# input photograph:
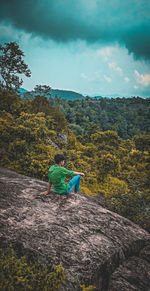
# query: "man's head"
59,159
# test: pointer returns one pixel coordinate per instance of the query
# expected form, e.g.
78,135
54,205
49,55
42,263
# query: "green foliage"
132,205
18,273
10,102
142,142
12,64
42,90
77,129
89,288
27,138
113,187
126,116
109,137
108,164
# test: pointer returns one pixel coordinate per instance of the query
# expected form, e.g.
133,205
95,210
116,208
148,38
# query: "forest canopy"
126,116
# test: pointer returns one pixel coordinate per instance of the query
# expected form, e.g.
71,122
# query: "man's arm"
48,189
69,173
78,173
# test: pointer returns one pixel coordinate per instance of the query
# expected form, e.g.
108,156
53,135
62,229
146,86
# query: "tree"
91,129
108,137
42,90
108,164
12,64
142,142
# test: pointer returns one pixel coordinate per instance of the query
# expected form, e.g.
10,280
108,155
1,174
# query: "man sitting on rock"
57,174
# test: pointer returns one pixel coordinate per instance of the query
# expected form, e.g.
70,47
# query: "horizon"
91,48
91,96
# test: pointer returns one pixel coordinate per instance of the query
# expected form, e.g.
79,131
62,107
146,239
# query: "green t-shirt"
57,176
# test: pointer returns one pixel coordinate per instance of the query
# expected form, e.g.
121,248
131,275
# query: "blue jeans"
74,182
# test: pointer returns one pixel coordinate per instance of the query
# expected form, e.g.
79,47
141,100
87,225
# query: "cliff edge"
94,245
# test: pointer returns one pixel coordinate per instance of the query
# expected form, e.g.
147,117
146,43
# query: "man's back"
57,176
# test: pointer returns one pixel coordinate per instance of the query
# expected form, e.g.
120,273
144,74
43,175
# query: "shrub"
18,273
89,288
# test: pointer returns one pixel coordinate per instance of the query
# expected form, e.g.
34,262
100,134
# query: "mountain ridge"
64,94
72,95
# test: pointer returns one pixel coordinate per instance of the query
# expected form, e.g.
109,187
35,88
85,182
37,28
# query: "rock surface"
63,137
94,245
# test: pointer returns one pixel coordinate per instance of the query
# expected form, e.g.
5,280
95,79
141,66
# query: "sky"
93,47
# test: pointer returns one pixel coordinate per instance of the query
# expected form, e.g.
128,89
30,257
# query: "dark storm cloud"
126,22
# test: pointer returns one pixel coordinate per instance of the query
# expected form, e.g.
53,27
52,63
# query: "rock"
63,137
94,245
53,144
145,253
133,274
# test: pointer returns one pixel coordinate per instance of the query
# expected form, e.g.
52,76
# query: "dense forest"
117,168
126,116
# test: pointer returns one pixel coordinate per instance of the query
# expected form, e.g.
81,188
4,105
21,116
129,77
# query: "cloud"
126,79
106,52
83,76
108,79
126,22
94,78
142,79
115,68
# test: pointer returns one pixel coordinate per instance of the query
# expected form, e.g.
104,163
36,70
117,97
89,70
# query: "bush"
89,288
18,273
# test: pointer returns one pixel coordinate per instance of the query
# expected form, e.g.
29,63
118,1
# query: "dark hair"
58,158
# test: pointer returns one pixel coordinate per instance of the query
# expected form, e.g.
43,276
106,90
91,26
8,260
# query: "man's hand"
48,190
78,173
44,193
82,174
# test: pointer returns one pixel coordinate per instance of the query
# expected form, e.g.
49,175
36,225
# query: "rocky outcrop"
63,137
133,274
95,245
53,144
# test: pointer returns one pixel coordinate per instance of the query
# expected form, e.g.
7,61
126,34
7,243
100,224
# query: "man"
57,174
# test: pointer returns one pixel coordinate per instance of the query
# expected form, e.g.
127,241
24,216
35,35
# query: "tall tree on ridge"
12,64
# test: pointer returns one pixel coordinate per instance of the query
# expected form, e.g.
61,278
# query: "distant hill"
65,94
69,95
22,90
